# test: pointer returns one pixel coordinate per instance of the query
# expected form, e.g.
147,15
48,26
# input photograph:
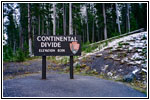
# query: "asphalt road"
59,85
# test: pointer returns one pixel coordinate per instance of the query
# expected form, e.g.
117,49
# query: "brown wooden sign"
45,45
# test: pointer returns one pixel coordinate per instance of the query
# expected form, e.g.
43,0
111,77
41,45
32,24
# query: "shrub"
26,50
20,56
7,53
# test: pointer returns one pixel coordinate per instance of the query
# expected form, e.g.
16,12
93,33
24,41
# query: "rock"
83,65
66,69
109,48
126,59
87,68
144,66
129,77
116,59
116,77
120,70
95,72
99,55
123,46
122,62
106,58
49,67
58,58
77,64
131,63
139,50
135,71
109,74
130,48
138,62
119,49
105,67
110,52
144,70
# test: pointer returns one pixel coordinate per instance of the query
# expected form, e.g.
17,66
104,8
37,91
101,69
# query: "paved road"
59,85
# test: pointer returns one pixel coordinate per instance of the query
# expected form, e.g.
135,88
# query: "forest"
93,21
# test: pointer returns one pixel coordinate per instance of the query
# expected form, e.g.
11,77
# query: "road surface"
59,85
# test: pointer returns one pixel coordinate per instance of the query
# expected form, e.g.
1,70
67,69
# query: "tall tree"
99,20
20,30
128,18
105,26
39,20
21,37
93,34
117,20
29,30
93,28
70,19
64,19
87,25
54,16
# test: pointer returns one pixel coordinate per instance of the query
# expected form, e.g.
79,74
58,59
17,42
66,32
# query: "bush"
114,34
7,53
20,56
26,50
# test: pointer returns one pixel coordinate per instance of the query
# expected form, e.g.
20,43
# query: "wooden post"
71,67
43,67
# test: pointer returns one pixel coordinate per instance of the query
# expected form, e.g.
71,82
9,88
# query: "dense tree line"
93,21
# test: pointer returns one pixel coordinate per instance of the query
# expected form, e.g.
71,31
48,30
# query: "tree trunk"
93,34
57,21
83,35
64,19
117,20
54,16
43,26
33,32
47,28
87,24
128,18
75,31
105,26
39,20
14,46
29,31
39,25
93,31
21,37
98,34
70,20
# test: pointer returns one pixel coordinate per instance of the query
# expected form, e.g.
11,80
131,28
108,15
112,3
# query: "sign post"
71,67
43,67
46,45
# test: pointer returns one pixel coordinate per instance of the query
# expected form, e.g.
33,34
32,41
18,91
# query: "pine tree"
54,17
88,40
105,26
29,30
70,19
117,20
128,18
